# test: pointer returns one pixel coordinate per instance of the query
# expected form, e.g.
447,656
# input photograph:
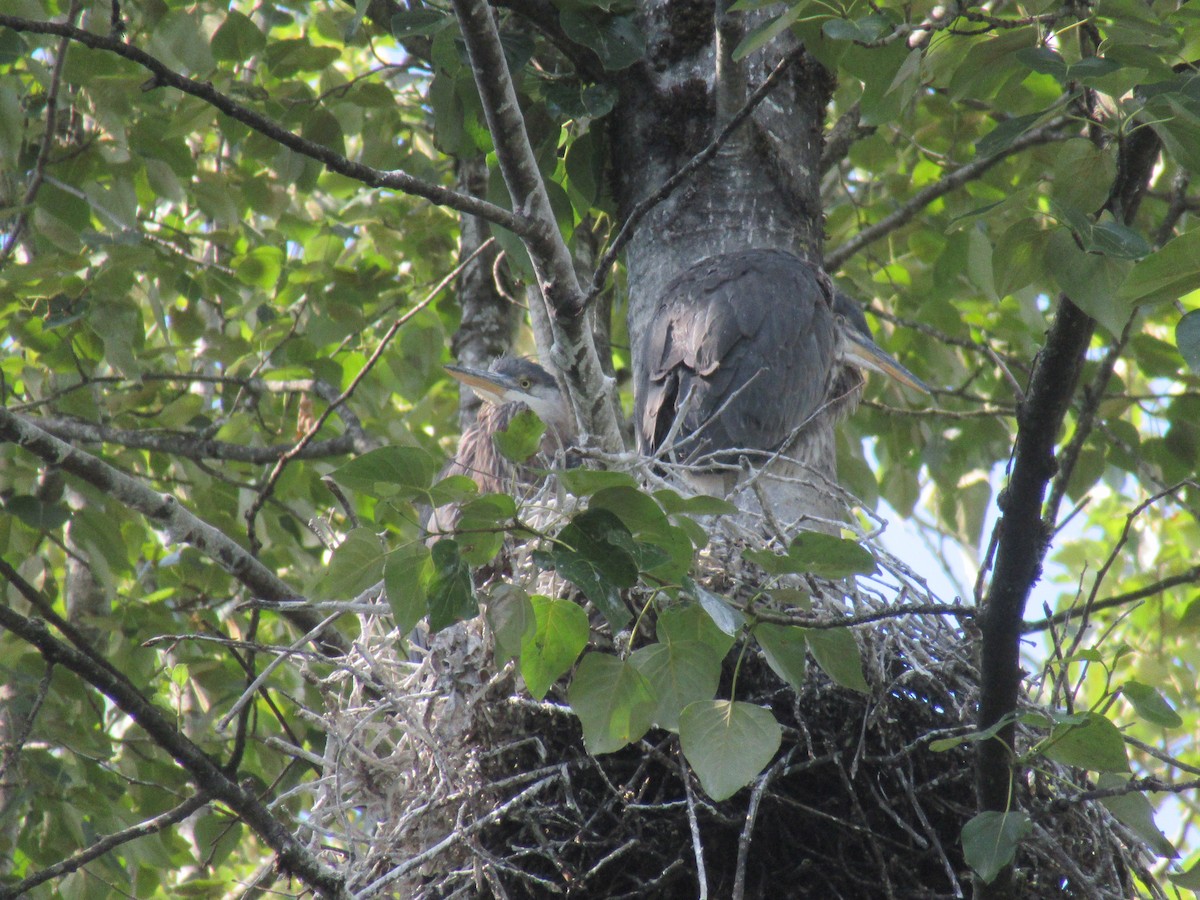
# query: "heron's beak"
490,387
866,353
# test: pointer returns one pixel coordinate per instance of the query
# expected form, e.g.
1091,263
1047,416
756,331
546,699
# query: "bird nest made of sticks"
443,778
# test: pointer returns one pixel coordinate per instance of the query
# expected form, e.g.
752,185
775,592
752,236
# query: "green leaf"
692,623
481,527
613,701
357,563
865,30
401,472
1096,745
1134,811
521,438
451,594
585,482
1187,338
411,22
1165,275
786,650
679,673
1091,280
763,34
38,515
405,574
559,638
990,841
237,38
727,743
1189,879
823,555
595,552
724,616
260,267
616,39
836,652
1150,705
511,617
699,505
828,556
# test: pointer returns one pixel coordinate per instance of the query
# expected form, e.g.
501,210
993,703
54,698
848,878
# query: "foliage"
185,296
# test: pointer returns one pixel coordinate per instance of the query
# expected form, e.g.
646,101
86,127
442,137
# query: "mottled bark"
761,190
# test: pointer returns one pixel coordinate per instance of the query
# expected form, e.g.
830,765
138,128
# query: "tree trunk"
762,188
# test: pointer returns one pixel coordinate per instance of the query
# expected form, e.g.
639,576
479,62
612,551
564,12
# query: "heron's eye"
525,383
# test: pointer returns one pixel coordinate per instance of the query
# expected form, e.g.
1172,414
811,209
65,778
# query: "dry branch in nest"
442,778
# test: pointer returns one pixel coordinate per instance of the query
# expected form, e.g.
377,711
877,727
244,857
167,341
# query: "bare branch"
394,179
188,445
1189,576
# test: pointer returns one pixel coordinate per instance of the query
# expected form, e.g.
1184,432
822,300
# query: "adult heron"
754,354
509,386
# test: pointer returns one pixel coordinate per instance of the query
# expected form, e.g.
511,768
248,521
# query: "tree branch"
1044,134
1188,576
189,445
167,513
575,351
394,179
103,845
294,857
1021,547
1024,529
43,158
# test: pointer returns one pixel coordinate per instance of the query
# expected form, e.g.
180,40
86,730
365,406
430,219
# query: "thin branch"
394,179
168,514
821,623
294,857
1189,576
298,448
43,158
1044,134
694,825
643,208
590,390
188,445
1133,786
103,845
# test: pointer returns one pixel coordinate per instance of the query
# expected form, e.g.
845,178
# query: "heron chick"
508,387
754,354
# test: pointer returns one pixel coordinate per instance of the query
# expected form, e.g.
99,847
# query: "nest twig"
458,784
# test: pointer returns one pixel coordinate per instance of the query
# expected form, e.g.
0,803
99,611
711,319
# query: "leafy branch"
165,76
213,782
168,514
575,350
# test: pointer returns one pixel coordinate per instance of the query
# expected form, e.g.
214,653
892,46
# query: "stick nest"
442,778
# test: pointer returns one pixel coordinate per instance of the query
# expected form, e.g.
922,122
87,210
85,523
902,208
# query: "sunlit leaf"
558,639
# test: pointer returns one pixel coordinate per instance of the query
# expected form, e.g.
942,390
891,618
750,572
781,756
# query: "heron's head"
857,348
514,380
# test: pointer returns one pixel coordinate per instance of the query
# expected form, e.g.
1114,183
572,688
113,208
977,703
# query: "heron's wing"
752,337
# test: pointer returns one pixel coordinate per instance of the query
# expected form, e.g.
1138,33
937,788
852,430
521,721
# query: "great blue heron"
755,354
509,386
